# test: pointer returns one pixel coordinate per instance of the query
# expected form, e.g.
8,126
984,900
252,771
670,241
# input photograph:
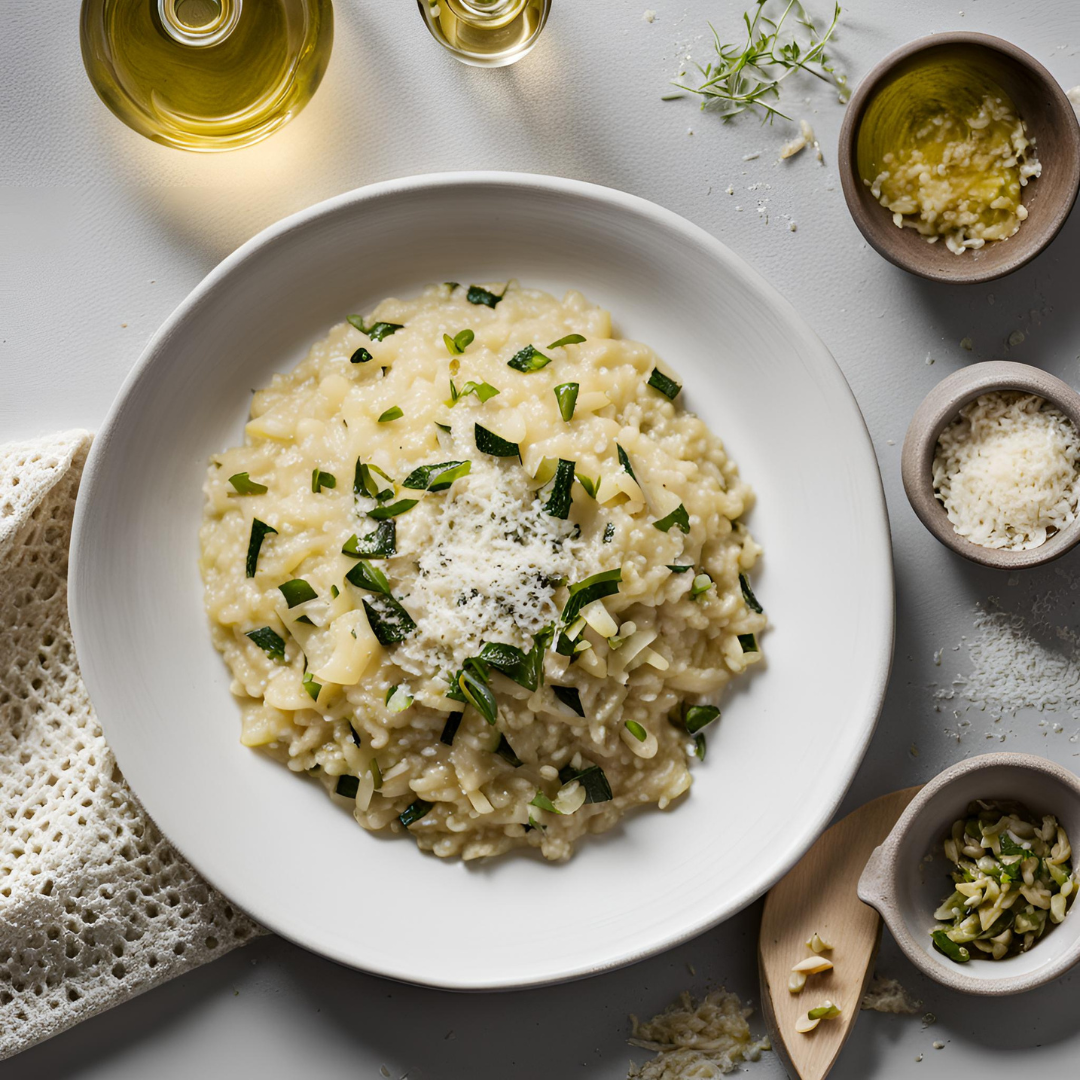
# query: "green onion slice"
393,413
397,700
677,517
414,812
381,513
570,339
544,803
320,480
457,344
377,330
748,594
365,576
748,643
271,643
506,752
698,716
668,387
592,779
365,484
528,359
297,591
701,585
361,356
245,485
561,492
487,442
591,588
453,722
259,530
389,621
592,487
380,544
566,395
347,787
624,461
570,697
636,730
436,477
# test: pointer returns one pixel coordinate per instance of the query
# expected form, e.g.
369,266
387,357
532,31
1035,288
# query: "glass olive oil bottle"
486,33
206,74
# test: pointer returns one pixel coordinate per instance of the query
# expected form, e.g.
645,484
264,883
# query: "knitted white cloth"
95,906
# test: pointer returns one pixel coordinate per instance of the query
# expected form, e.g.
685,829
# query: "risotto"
477,571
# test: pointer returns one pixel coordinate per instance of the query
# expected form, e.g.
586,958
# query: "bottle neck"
200,23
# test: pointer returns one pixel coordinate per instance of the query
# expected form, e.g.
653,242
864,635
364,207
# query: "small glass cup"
486,33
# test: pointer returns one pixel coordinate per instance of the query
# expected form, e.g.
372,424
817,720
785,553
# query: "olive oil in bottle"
206,74
486,33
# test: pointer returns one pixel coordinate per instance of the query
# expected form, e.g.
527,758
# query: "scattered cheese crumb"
939,1046
886,995
752,157
1017,337
649,16
967,344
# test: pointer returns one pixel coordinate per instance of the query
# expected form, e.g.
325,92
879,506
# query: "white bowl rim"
883,586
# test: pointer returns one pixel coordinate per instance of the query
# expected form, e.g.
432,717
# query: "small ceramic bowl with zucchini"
976,881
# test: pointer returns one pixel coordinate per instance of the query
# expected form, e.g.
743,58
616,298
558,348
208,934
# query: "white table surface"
104,232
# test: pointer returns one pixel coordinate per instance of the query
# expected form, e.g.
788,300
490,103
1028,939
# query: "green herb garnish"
944,944
259,531
748,643
698,716
311,686
487,442
699,746
636,730
668,387
397,700
245,485
365,576
478,694
558,505
381,513
749,76
444,427
678,517
748,594
271,643
414,812
361,356
436,477
388,620
477,295
624,461
570,697
506,752
365,484
320,480
393,413
297,591
380,544
457,344
377,330
592,779
453,722
524,668
484,391
566,395
570,339
609,528
592,588
676,569
701,585
347,787
544,803
528,359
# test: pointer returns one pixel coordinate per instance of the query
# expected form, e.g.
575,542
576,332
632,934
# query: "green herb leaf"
506,752
270,643
389,621
457,344
570,339
592,779
259,530
478,694
380,544
311,686
944,944
528,359
624,461
394,413
525,668
377,330
245,485
698,716
566,395
361,356
570,697
365,485
444,427
414,812
297,591
676,569
609,528
320,480
678,517
381,513
699,746
591,588
365,576
453,722
347,787
668,387
636,730
592,487
748,643
487,442
484,391
477,295
748,594
544,803
558,505
436,477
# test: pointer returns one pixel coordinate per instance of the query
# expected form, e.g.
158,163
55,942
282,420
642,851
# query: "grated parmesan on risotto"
1006,470
477,572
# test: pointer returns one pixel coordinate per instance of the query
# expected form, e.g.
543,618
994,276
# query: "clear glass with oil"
486,33
206,74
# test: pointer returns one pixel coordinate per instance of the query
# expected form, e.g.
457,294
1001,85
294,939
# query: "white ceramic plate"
792,734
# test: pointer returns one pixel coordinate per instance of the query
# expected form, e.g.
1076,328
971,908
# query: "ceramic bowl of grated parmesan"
991,464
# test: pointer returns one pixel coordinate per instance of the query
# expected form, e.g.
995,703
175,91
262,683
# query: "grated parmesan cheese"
886,995
1006,471
696,1041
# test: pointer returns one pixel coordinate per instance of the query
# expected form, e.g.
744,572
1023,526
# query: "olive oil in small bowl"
206,74
486,33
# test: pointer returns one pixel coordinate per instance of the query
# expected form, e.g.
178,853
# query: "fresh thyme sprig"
748,77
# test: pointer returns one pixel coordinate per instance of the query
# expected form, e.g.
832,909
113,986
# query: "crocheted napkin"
95,906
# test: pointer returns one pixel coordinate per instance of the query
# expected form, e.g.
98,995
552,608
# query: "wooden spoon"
818,896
